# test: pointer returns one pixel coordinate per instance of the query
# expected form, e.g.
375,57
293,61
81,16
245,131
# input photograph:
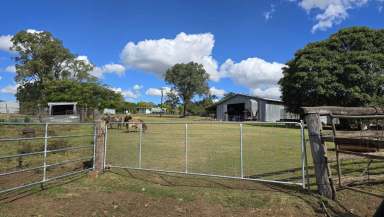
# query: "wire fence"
261,151
32,154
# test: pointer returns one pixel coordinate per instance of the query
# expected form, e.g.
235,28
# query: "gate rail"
304,180
44,165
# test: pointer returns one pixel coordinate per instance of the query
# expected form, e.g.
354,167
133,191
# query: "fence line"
187,144
44,164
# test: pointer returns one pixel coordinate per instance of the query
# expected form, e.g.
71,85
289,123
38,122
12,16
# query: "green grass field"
214,148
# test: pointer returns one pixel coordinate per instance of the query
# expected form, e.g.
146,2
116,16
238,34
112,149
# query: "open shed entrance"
236,111
62,108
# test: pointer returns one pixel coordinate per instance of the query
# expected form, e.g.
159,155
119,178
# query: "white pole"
105,147
186,148
94,145
241,151
45,152
140,141
303,164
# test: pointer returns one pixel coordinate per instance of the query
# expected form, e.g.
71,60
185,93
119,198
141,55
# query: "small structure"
9,107
157,110
62,112
109,111
144,110
240,107
62,108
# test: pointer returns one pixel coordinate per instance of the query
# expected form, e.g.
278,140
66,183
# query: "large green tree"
347,69
188,80
41,59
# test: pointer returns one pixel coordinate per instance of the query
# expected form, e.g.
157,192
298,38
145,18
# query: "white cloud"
11,69
332,12
268,15
10,89
33,31
255,73
157,56
137,87
157,91
125,93
108,68
5,42
217,92
272,92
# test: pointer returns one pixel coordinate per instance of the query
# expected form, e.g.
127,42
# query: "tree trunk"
185,109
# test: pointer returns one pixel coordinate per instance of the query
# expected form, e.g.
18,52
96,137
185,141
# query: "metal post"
45,153
302,143
186,148
241,151
95,131
140,141
105,148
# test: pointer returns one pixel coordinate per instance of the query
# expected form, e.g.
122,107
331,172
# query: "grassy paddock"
268,152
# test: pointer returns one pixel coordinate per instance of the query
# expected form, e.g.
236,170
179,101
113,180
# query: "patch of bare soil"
131,204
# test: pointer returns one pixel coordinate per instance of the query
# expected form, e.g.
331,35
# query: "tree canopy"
47,71
347,69
188,80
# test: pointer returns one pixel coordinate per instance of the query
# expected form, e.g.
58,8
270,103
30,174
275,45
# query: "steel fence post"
241,151
186,148
45,153
105,147
94,146
302,144
140,141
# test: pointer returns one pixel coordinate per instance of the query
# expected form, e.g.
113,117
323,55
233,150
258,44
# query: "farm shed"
240,107
9,107
62,108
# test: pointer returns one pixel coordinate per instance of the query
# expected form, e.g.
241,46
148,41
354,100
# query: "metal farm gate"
260,151
33,154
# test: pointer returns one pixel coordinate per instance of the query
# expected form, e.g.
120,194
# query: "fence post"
186,148
319,152
241,152
303,153
99,146
140,143
45,154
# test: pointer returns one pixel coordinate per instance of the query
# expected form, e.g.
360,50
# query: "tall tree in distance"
347,69
188,80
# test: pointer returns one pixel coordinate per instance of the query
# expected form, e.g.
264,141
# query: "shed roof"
230,96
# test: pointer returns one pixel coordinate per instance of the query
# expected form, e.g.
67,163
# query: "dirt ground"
126,193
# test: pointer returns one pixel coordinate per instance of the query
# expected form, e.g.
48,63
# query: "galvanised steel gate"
35,153
260,151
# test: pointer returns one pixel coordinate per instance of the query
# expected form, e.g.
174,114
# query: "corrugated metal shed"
240,107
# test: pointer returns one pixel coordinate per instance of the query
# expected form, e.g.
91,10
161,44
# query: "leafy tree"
90,94
347,69
41,57
171,101
188,80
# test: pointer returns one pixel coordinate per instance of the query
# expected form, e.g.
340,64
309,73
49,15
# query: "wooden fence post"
99,148
319,152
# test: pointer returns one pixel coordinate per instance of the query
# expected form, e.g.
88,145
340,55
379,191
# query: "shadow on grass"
38,188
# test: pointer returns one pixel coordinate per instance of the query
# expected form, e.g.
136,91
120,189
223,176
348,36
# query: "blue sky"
242,44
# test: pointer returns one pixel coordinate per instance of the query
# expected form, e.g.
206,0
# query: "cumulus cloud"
217,92
11,69
108,68
5,42
332,12
157,91
9,89
137,87
157,56
272,92
126,93
255,73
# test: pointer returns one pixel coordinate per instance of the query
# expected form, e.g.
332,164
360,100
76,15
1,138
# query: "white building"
9,107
